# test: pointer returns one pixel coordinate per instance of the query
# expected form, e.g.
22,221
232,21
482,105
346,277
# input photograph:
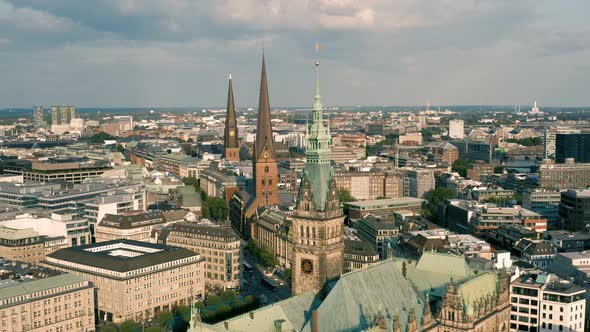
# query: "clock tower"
317,230
231,144
266,169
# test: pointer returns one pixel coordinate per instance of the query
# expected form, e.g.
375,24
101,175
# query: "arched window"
300,230
313,232
307,231
266,169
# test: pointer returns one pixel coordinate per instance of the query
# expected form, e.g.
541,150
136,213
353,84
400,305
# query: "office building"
370,185
382,207
221,183
456,129
474,150
544,202
73,170
564,176
444,151
137,226
576,146
550,136
45,301
477,168
134,280
544,302
480,219
25,245
574,210
358,255
270,228
220,247
377,232
417,182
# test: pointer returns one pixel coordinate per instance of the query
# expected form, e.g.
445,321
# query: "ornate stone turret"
317,227
427,318
395,324
379,320
231,144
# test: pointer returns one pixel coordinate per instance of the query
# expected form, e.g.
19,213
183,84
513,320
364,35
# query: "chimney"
251,314
315,321
226,325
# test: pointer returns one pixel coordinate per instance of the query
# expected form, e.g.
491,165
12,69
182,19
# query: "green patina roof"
27,287
359,295
478,287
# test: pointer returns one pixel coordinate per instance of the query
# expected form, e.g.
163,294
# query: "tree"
460,166
498,169
215,208
190,140
267,257
120,148
164,316
108,329
99,138
154,329
128,326
436,197
345,196
191,181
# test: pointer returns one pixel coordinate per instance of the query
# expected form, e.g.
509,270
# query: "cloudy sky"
110,53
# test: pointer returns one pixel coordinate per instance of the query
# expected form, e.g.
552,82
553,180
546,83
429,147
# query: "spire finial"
230,75
317,106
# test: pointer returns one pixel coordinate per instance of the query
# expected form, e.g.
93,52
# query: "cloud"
564,42
28,18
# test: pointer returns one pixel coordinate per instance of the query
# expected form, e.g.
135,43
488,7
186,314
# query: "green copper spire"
317,192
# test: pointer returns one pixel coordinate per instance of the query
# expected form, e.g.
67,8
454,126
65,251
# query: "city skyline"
142,54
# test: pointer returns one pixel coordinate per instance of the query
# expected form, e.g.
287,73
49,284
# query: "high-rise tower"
232,147
55,115
317,230
266,171
38,117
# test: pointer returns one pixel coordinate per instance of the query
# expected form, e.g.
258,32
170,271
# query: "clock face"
266,154
232,133
307,266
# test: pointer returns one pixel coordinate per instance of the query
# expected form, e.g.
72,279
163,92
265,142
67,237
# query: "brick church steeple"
231,143
266,172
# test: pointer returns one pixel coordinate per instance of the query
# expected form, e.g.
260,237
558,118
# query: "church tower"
266,169
317,230
231,144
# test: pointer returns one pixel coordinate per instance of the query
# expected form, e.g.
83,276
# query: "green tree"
190,140
436,197
518,198
99,138
120,148
215,208
267,257
460,166
128,326
191,181
345,196
108,329
498,169
164,316
154,329
288,275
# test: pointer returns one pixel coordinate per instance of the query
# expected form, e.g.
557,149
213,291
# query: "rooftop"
20,288
195,229
390,202
8,233
120,255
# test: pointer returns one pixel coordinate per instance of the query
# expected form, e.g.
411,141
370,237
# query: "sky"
178,53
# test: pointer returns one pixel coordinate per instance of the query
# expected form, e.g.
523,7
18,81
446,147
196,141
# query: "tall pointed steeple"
316,186
264,139
232,147
266,169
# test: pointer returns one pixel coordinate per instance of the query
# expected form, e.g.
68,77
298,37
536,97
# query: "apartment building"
358,255
376,231
417,182
220,183
134,280
544,302
47,302
220,247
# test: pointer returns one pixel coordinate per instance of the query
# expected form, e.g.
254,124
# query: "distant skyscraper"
456,129
232,146
72,112
55,116
38,117
64,113
318,224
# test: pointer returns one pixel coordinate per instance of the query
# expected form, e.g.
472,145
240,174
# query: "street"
252,283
